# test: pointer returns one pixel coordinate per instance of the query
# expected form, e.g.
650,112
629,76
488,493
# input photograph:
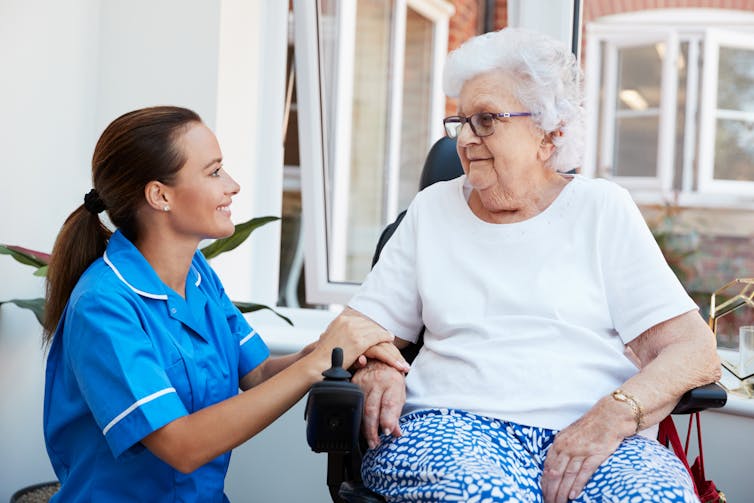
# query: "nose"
466,135
233,187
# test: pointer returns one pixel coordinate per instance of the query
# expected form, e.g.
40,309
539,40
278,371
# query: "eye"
216,172
485,119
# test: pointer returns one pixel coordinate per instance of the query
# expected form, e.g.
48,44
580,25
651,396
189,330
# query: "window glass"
415,128
369,144
734,139
638,114
369,93
636,146
734,150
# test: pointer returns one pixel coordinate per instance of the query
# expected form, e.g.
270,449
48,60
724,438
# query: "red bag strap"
693,416
667,434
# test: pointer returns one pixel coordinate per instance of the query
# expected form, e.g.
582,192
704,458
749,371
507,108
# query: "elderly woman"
556,336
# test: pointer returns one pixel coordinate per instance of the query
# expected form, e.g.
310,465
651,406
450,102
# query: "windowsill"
282,338
738,406
740,400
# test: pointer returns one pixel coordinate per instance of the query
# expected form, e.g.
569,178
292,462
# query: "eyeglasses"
482,124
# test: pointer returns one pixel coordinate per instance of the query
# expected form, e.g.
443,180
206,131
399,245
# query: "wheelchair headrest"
442,163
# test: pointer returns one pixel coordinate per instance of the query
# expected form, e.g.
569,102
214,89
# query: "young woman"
147,353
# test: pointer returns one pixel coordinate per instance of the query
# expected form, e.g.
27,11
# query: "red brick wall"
598,8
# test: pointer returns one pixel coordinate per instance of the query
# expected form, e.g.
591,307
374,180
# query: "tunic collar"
130,266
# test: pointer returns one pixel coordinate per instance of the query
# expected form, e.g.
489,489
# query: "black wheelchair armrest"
709,396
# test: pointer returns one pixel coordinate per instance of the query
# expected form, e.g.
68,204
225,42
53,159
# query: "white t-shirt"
527,321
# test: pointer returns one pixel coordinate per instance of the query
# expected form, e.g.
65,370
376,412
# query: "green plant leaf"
243,230
250,307
25,255
37,306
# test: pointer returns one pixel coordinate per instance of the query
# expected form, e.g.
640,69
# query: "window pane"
369,138
636,146
640,77
417,75
355,88
735,88
734,145
734,150
637,110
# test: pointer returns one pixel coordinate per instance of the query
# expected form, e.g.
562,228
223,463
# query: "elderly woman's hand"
384,395
579,449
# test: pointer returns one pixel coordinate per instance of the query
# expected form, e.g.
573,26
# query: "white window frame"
686,25
320,289
604,144
715,39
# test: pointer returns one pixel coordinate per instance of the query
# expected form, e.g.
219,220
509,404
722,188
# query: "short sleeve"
390,293
123,378
641,289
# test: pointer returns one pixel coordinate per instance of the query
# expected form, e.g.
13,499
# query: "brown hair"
135,149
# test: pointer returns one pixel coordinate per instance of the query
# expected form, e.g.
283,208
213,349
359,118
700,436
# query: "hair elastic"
93,203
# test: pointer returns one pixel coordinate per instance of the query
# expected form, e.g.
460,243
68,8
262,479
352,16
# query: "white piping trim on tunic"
198,276
135,405
246,339
120,276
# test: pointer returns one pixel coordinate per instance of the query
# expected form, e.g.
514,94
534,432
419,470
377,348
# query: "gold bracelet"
624,397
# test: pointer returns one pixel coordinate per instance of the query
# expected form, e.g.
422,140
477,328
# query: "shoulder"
601,193
98,280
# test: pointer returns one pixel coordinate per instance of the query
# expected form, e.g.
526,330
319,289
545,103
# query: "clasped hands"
577,452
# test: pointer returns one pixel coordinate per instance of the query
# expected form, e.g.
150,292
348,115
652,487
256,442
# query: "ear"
546,148
157,195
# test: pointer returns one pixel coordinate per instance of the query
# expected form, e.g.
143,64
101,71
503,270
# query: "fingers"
588,467
554,469
388,353
384,396
565,487
566,473
370,419
391,407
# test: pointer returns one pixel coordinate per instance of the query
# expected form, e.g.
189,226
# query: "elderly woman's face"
514,151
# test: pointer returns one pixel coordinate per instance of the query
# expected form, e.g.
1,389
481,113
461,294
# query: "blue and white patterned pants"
451,455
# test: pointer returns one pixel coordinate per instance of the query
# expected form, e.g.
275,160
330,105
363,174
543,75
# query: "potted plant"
39,260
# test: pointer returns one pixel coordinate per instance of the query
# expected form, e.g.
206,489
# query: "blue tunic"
129,356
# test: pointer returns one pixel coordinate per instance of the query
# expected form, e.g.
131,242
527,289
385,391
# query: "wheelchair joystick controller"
333,410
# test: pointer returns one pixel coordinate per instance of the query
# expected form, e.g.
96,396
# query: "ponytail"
82,239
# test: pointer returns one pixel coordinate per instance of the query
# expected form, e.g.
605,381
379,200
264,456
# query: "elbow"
185,467
708,363
184,462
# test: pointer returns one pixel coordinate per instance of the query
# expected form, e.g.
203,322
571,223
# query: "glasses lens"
484,123
452,126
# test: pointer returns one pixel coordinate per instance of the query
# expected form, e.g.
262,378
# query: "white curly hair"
548,82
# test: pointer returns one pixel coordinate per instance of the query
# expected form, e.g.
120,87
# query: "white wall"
68,69
48,65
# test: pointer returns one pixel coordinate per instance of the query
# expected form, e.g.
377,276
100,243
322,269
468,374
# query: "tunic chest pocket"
178,374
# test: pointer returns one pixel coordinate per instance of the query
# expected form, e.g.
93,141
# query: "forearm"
272,366
675,357
191,441
677,369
